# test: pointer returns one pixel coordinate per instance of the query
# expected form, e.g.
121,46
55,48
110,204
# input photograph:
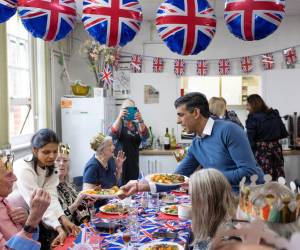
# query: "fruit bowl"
80,89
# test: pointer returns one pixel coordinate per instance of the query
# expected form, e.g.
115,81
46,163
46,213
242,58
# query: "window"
234,89
20,82
25,82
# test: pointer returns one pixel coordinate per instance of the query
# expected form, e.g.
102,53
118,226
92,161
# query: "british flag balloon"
186,26
7,9
113,23
253,19
50,20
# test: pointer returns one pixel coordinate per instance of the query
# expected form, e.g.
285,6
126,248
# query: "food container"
80,89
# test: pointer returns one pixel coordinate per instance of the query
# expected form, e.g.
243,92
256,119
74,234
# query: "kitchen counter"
170,152
156,152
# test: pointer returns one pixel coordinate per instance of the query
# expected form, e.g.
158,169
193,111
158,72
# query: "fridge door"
82,119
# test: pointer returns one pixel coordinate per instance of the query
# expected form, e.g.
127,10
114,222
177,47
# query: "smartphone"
131,113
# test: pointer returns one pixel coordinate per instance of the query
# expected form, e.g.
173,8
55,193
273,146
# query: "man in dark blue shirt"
218,144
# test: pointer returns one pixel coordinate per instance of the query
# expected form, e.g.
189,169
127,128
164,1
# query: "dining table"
152,222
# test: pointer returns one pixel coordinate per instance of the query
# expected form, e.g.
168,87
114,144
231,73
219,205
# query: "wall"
224,45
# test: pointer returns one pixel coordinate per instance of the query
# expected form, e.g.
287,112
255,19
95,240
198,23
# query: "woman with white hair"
128,131
103,169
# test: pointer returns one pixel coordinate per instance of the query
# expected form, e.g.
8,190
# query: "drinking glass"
154,201
126,238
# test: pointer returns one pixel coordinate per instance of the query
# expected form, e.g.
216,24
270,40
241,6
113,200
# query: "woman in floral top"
75,205
127,135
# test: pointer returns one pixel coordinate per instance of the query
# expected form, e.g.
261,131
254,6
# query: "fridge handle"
155,166
148,170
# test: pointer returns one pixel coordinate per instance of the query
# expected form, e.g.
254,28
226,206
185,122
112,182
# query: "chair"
78,182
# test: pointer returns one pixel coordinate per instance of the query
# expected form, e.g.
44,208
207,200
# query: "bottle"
173,140
150,139
167,140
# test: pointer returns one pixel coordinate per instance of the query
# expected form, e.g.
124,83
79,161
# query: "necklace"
105,166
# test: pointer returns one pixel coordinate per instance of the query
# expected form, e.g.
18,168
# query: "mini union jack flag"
136,64
158,65
106,76
267,61
290,56
224,66
246,63
202,68
179,67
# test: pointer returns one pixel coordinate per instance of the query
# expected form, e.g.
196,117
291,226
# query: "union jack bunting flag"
290,56
253,19
158,64
224,66
186,26
112,22
50,20
202,68
106,76
246,63
136,64
179,67
267,61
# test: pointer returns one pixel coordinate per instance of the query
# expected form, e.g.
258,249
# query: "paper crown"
7,158
271,202
64,149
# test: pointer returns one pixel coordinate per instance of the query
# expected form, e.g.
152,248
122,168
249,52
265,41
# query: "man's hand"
18,215
134,186
39,202
69,226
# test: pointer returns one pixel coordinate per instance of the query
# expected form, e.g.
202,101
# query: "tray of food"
167,179
170,210
115,208
103,193
162,245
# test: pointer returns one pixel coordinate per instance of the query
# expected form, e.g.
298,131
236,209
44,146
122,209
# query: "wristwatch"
67,212
29,229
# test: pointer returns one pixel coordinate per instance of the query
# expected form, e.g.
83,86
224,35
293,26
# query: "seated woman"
37,171
18,230
75,205
103,169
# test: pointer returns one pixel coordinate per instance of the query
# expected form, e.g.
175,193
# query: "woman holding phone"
128,131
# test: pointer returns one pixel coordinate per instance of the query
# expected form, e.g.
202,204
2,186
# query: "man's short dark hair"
194,100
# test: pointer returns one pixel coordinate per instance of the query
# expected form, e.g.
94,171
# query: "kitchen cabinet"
157,164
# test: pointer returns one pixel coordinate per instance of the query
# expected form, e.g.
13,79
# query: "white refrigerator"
82,118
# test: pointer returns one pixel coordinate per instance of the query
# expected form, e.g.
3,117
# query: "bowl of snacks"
80,89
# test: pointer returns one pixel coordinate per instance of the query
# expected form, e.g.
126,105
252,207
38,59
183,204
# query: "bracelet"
137,186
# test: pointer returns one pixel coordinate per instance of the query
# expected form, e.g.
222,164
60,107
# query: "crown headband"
7,158
270,202
64,149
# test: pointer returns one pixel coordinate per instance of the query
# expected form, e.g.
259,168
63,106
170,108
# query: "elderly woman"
103,169
74,205
128,132
18,230
37,171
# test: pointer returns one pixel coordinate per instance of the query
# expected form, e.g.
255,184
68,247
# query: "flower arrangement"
98,56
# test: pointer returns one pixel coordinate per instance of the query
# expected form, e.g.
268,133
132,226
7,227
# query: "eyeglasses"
7,158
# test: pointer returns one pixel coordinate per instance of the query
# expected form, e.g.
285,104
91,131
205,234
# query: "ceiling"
150,6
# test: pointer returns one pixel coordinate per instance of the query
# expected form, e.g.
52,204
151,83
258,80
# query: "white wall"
224,45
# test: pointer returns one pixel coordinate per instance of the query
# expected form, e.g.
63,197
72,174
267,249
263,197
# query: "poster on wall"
151,95
121,83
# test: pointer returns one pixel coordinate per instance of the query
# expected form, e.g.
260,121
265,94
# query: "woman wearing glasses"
38,171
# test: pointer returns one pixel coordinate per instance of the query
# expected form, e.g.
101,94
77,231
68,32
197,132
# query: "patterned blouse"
67,194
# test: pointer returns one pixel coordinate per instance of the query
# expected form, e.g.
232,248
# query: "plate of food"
103,193
167,179
114,208
161,245
170,210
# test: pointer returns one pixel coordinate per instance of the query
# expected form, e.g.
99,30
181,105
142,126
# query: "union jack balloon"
186,26
7,9
50,20
253,19
113,23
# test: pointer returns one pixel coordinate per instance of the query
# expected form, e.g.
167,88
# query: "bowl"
81,90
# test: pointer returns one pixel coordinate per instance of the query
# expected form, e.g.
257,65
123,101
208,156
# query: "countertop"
170,152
